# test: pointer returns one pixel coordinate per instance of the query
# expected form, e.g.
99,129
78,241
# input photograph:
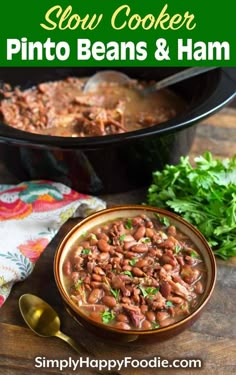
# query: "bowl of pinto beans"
135,273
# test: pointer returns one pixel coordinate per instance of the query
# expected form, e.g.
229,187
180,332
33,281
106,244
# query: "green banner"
117,33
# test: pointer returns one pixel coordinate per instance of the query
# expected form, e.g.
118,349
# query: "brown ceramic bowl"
128,211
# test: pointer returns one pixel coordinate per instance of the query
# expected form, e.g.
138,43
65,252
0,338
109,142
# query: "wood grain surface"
212,338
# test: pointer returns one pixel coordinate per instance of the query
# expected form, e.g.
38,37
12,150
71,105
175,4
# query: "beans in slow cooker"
61,108
135,273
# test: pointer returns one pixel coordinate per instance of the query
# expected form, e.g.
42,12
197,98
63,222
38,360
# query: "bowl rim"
220,95
133,332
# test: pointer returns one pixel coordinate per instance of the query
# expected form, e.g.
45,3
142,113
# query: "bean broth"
61,108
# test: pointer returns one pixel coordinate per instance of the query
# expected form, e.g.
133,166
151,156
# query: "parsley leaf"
204,195
78,283
149,291
169,304
193,254
177,248
145,240
145,294
85,251
128,224
128,273
133,261
107,316
122,237
163,219
116,293
155,325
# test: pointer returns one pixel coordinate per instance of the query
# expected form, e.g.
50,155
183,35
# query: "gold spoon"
44,321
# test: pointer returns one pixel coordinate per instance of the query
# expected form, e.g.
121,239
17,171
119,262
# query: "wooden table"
212,338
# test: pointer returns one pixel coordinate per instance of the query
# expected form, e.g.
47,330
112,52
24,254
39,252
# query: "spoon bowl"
43,320
107,76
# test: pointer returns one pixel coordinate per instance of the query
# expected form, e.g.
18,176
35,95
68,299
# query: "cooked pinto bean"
103,245
136,298
122,325
122,318
67,268
103,257
96,277
140,232
96,316
144,309
129,244
162,315
109,301
126,300
103,236
146,324
171,230
141,263
199,289
127,268
190,274
132,269
168,267
142,248
151,316
177,300
129,238
168,244
149,232
165,289
137,221
167,322
137,272
95,296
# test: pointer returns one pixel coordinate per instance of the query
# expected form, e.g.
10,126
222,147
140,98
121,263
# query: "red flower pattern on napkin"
33,249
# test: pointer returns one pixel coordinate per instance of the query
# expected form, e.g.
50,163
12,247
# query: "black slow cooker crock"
113,163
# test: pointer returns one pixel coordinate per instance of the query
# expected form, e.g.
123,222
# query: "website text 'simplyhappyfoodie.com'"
118,364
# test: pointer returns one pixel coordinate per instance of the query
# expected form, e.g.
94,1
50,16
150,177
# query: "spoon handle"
77,347
177,77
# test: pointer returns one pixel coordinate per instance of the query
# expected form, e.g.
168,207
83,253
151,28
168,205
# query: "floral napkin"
31,214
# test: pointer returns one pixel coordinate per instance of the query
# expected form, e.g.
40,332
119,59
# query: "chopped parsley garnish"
128,273
152,291
146,240
143,291
128,224
93,236
122,237
115,292
155,325
169,304
163,220
107,316
78,284
177,248
85,251
194,255
133,261
149,291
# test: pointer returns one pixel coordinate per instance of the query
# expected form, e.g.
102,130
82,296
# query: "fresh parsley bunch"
205,196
